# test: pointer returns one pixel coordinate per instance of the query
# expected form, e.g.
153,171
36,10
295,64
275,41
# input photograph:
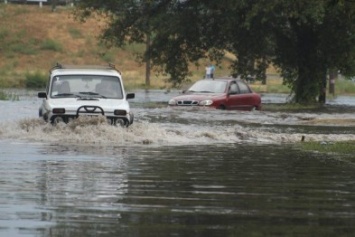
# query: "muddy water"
175,172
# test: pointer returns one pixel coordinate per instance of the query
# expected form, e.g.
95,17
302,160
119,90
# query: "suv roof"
84,67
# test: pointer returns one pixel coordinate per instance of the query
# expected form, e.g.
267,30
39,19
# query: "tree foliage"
303,38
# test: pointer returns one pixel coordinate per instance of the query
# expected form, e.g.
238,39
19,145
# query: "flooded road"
175,172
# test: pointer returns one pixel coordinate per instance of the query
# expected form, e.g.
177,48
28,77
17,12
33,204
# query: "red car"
223,93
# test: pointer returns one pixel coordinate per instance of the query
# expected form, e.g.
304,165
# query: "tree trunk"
323,89
311,82
306,89
147,61
333,75
54,5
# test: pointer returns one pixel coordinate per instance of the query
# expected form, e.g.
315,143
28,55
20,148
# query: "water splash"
86,130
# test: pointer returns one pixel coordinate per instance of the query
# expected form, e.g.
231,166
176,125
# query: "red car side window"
233,88
244,89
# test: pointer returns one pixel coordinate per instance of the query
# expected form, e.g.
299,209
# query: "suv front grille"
90,110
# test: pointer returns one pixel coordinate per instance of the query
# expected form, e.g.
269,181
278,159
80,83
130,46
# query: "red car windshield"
208,86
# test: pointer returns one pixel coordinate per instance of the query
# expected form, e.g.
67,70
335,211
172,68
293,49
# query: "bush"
8,96
75,33
3,95
35,80
53,45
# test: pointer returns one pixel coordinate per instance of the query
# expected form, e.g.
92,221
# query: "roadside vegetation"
33,39
8,96
342,148
35,80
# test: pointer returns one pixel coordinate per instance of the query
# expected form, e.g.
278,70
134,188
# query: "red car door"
239,96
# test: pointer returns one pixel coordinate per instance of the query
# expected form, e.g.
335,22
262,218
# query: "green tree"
303,38
129,21
169,28
314,37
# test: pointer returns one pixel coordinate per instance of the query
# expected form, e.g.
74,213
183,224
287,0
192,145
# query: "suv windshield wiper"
92,93
65,94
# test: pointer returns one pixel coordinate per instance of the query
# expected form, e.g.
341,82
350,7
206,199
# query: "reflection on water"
219,190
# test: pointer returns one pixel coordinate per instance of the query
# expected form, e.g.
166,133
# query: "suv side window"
244,88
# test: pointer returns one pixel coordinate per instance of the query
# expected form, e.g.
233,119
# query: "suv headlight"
205,102
120,112
58,111
172,102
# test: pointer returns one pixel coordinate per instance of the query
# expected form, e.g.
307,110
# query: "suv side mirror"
130,96
42,95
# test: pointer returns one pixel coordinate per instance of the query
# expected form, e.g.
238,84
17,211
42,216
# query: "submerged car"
224,93
74,91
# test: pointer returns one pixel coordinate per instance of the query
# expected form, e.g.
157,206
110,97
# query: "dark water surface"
216,190
173,173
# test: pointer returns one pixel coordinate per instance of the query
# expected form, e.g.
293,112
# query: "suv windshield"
86,86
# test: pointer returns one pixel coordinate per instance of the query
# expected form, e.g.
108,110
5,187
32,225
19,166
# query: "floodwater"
175,172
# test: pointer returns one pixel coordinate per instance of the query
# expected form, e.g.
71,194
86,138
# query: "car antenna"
57,65
111,65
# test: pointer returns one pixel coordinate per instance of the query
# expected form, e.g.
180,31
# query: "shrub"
50,44
21,48
75,33
344,87
3,95
108,57
3,34
35,80
8,96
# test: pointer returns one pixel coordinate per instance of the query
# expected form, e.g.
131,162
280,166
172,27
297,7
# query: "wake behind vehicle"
223,93
74,91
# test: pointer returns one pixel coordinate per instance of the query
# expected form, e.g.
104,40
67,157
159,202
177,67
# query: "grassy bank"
33,39
345,149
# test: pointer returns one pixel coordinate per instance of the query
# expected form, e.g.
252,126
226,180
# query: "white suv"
74,91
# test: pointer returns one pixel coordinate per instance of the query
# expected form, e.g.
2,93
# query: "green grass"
8,96
108,56
344,87
16,79
21,48
35,80
135,48
15,43
75,33
278,89
20,43
347,147
3,95
49,44
292,107
4,33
